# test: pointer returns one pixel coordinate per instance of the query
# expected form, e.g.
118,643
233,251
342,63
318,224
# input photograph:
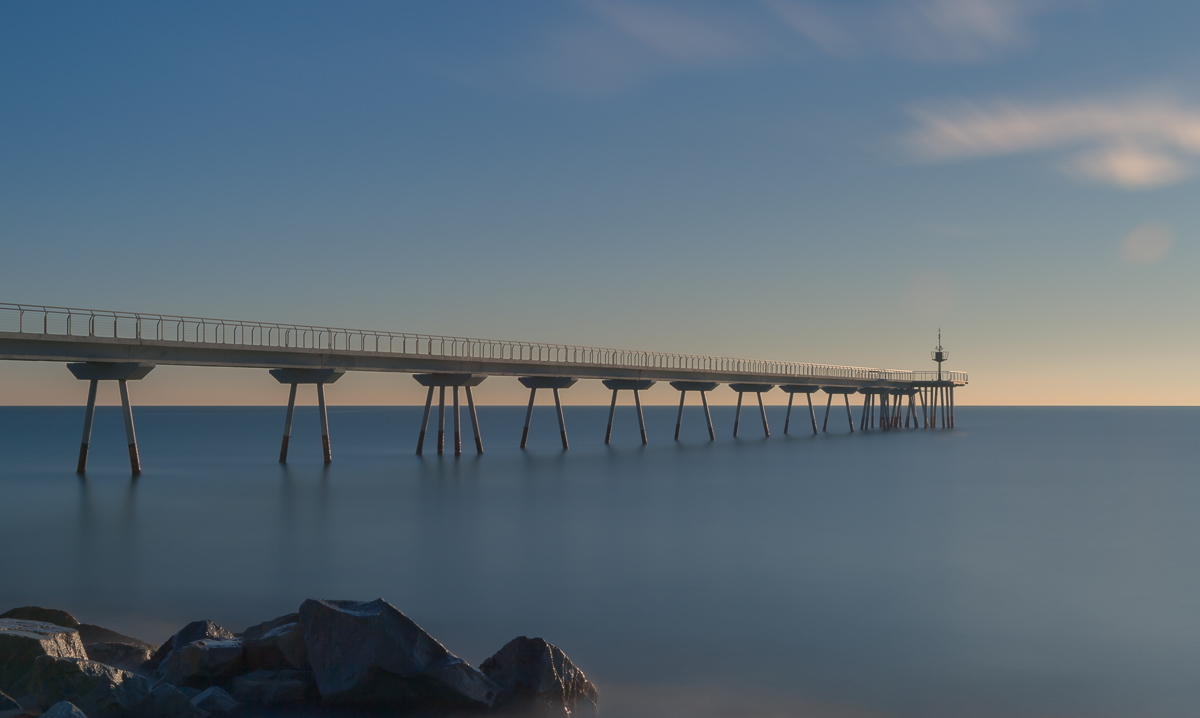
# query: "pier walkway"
124,346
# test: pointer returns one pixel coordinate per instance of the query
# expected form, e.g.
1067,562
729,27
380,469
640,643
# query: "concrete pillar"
325,448
737,418
712,435
135,462
951,407
424,421
828,404
474,422
562,422
612,409
457,425
678,417
849,416
812,413
787,419
287,424
88,415
441,444
637,400
763,410
528,416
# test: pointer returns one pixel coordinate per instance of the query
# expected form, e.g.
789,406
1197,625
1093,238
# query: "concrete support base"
554,383
703,387
455,382
122,373
845,392
792,390
294,377
634,385
757,389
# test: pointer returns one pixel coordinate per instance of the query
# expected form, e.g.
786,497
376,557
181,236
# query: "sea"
1040,562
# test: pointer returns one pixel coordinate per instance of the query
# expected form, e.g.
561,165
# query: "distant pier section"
125,346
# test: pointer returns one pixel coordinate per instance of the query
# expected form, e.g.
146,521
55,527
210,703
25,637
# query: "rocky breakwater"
336,657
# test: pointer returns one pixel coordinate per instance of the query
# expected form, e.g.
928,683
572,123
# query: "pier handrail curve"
65,321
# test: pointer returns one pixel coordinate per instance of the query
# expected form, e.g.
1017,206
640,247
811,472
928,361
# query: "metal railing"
64,321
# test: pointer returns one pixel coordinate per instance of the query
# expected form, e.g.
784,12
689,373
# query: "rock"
167,701
64,710
189,691
261,629
536,678
279,649
88,633
126,656
42,615
371,656
200,663
215,700
23,641
194,631
97,689
275,688
8,707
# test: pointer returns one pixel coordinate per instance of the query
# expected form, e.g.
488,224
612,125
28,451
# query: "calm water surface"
1033,562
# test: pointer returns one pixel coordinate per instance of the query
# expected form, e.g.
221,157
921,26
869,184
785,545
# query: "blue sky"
808,181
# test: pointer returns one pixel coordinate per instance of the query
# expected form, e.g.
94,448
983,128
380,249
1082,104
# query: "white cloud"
1133,143
1147,243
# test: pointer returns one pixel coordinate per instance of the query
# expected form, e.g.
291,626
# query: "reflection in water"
1033,562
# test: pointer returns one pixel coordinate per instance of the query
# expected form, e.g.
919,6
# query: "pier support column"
759,389
845,391
702,387
440,381
636,386
287,425
554,383
88,415
320,377
122,373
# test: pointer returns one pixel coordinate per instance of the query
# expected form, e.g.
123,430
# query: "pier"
126,346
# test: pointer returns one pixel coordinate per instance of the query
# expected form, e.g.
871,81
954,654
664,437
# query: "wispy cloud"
1133,142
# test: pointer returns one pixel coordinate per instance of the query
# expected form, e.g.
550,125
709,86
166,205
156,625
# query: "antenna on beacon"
939,354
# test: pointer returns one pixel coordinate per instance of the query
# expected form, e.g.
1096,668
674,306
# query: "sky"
797,180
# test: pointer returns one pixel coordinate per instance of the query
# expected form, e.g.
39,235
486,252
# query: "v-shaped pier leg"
287,424
88,416
135,461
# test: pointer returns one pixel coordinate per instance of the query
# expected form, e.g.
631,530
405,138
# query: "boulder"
369,655
8,707
279,649
42,615
126,656
194,631
64,709
269,689
203,662
97,689
215,700
537,678
261,629
23,641
166,701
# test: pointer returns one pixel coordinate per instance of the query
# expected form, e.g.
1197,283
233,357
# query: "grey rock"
261,629
201,663
536,678
126,656
97,689
281,648
194,631
215,700
21,642
64,709
275,688
369,655
167,701
189,691
42,615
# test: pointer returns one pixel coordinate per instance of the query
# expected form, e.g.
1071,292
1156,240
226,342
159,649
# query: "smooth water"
1032,562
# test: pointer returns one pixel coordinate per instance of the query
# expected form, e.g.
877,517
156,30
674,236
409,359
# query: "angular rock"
97,689
536,678
270,689
370,655
64,709
215,700
279,649
21,642
261,629
42,615
200,663
166,701
126,656
194,631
